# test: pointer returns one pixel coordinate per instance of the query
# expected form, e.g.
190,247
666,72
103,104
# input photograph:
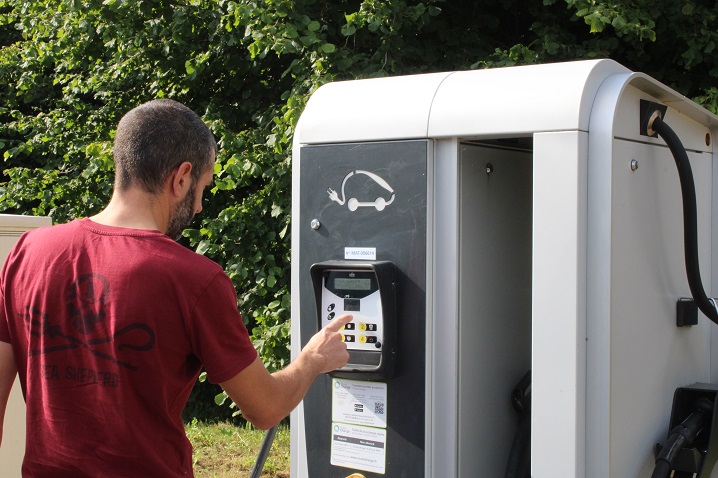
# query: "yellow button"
362,326
362,339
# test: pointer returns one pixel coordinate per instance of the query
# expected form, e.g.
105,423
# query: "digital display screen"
345,283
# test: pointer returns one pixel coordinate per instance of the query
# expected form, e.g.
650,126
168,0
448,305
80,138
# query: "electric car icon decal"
353,203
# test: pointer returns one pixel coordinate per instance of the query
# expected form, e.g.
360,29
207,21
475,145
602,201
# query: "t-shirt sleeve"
218,336
4,326
4,330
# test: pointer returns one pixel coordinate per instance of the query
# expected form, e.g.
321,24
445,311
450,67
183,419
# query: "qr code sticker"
378,408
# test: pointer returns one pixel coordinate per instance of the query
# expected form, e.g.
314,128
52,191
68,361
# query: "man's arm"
8,370
266,398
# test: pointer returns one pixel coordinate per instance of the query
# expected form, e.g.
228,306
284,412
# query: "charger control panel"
367,290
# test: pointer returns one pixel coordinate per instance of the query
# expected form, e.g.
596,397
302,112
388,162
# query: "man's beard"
181,216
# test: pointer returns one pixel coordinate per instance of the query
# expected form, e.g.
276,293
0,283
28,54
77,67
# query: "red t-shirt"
110,328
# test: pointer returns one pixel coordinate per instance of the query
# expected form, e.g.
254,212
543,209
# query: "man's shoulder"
149,245
54,228
71,227
192,259
42,234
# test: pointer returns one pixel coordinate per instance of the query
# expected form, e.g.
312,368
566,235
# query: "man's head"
154,139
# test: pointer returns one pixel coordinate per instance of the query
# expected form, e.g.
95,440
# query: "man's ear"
181,179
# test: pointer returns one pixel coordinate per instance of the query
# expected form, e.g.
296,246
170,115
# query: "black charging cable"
519,462
690,216
682,436
264,451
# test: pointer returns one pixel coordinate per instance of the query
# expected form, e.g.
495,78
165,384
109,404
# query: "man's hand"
265,399
326,350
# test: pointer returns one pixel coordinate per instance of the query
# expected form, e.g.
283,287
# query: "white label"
360,253
359,403
357,447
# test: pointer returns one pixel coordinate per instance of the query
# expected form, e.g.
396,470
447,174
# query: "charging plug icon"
353,203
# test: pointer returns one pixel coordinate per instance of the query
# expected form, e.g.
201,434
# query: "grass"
224,450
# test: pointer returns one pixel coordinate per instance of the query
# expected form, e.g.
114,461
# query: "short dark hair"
155,138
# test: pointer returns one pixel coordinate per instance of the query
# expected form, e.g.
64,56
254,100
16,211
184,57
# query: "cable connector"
650,110
682,436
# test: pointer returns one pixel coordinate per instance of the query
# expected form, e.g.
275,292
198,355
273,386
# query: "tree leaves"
69,69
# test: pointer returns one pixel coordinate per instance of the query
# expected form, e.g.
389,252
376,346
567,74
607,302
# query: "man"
108,321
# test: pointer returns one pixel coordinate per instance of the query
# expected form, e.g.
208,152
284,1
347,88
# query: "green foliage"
69,69
674,42
630,20
201,405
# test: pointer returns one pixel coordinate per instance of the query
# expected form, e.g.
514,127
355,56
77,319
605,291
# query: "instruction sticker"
361,448
359,403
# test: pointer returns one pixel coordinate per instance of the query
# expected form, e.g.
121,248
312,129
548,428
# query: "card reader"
367,290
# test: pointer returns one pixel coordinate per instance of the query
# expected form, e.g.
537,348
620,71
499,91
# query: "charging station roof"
512,101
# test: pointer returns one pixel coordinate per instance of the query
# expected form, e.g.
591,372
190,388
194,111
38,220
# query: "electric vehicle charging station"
483,224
